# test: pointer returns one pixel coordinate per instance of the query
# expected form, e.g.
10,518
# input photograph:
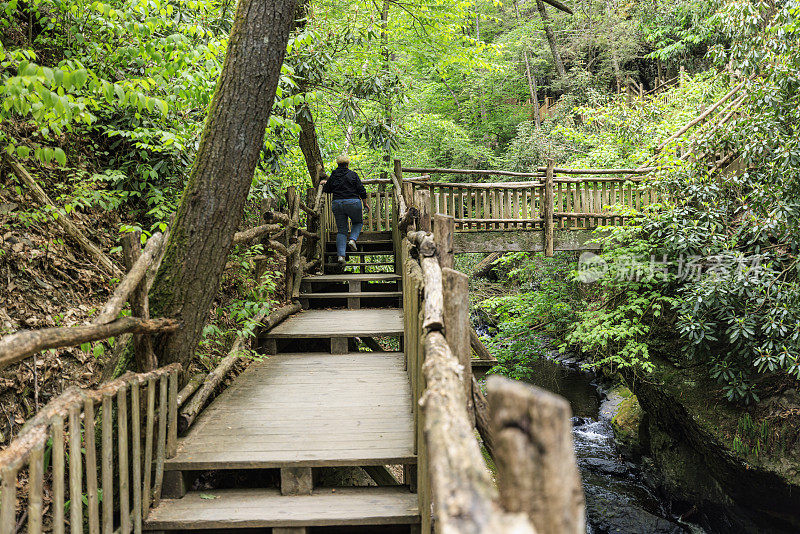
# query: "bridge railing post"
422,201
548,207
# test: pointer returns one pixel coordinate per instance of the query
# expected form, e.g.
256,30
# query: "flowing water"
617,500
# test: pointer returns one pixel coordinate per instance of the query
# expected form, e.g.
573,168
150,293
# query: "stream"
617,500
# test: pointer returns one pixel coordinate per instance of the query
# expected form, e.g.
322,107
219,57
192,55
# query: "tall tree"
551,38
531,78
213,200
387,65
309,144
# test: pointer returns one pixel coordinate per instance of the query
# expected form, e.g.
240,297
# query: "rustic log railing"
135,427
106,447
558,198
453,482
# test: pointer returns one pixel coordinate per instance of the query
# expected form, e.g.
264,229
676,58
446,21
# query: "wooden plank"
306,409
8,493
568,239
340,323
107,464
346,294
122,453
365,277
263,508
90,448
136,456
75,472
58,462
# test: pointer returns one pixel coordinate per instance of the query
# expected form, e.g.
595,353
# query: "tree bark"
214,197
308,141
531,80
387,65
548,30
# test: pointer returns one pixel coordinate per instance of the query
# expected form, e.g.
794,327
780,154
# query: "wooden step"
364,253
340,323
306,410
264,508
361,264
353,277
367,237
357,294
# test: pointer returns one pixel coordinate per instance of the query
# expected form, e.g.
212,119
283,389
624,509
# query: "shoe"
341,260
351,246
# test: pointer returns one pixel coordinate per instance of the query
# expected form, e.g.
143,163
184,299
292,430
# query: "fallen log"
215,377
20,345
191,386
486,265
480,349
128,284
63,219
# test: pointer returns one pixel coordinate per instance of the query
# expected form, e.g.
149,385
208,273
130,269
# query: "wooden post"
296,481
422,201
628,92
142,343
457,327
548,209
536,469
444,227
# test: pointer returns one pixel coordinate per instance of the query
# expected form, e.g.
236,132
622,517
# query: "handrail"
71,424
453,479
576,201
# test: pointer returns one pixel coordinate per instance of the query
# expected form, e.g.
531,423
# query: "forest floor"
48,281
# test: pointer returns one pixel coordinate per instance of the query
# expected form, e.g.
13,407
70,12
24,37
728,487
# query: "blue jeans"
344,209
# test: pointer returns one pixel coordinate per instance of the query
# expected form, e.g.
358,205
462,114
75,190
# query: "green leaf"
60,156
23,152
208,496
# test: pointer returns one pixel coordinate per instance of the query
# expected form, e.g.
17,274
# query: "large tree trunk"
548,30
387,65
214,197
309,144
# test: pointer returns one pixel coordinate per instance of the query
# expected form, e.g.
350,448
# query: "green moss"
627,420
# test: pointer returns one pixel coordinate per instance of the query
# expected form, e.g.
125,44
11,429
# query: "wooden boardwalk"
308,409
300,411
340,323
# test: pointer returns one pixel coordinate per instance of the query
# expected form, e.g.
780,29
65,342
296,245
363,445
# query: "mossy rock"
627,421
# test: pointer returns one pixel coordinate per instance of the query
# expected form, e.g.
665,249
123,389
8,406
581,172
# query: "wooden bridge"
366,370
373,375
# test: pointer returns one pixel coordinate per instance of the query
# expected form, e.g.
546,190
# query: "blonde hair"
343,160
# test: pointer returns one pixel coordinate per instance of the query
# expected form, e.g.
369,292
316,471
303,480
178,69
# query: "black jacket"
344,183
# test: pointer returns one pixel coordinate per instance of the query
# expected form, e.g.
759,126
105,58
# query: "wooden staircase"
313,404
375,255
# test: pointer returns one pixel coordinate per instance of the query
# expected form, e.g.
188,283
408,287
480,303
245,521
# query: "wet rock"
626,424
607,515
688,434
603,466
